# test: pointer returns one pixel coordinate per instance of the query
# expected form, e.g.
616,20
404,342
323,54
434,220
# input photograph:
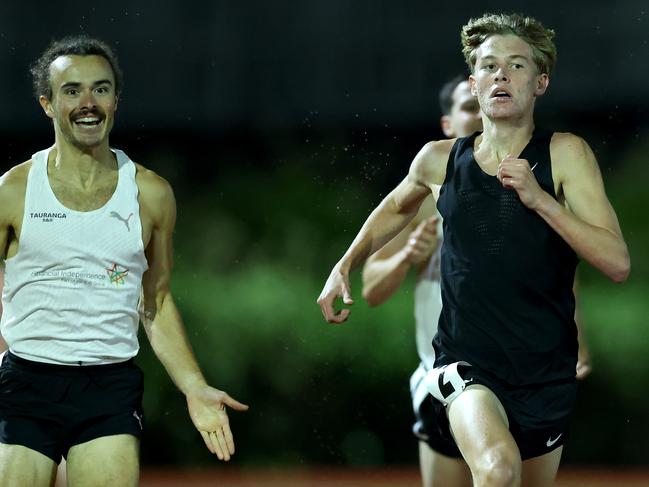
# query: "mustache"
97,112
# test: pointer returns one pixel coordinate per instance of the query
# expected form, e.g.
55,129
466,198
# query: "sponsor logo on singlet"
119,217
48,216
117,275
79,277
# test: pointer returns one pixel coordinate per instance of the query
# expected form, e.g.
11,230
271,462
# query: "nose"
87,100
501,75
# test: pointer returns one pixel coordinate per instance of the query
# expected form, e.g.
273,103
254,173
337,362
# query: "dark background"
280,125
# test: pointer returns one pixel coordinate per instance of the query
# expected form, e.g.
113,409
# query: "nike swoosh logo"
551,441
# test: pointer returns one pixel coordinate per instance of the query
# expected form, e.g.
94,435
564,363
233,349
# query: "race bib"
446,383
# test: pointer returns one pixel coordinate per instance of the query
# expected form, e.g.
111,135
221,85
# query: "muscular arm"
164,326
589,223
385,270
388,219
158,312
12,197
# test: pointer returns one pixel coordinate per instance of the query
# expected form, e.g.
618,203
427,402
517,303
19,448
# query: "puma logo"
114,214
139,419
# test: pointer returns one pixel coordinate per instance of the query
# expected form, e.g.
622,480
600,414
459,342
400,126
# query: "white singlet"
71,291
428,306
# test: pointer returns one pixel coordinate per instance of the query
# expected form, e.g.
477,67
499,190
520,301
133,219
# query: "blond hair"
539,38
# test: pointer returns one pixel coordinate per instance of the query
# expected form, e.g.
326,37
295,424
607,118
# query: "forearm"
169,342
381,278
386,221
600,247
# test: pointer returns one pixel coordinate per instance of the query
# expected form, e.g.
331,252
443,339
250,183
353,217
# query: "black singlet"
507,276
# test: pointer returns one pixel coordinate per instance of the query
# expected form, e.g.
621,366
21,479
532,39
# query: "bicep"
159,251
10,200
427,171
583,189
408,196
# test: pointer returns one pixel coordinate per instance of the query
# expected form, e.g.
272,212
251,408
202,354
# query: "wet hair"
71,46
539,38
446,93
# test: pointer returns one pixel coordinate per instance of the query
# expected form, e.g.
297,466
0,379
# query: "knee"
498,467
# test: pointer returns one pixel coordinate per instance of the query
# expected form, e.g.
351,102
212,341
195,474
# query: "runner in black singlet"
518,204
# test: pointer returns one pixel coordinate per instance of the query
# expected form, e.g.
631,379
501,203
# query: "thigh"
20,466
542,471
107,461
438,470
479,424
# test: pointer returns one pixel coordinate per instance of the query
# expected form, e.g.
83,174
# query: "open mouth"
500,93
88,121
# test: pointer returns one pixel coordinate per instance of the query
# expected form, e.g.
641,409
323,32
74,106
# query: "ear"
116,102
445,122
473,85
542,83
46,105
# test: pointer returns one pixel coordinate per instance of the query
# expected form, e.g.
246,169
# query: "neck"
81,167
505,137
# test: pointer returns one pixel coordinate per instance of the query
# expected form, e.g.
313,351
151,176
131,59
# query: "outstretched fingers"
218,439
228,439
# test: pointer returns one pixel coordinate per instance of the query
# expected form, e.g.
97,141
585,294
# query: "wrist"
192,384
546,204
405,257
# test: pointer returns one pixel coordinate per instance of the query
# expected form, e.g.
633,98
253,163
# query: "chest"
84,199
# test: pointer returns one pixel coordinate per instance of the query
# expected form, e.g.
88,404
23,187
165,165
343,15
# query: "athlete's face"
465,117
505,79
83,100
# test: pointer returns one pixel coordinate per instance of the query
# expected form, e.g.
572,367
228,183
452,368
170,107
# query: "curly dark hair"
71,46
540,38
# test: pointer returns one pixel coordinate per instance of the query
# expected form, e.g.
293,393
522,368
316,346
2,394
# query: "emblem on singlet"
47,216
116,215
117,275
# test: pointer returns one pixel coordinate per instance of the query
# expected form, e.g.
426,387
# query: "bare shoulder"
566,147
151,183
16,176
13,184
572,158
429,165
155,193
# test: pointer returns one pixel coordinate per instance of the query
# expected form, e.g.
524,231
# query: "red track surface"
226,477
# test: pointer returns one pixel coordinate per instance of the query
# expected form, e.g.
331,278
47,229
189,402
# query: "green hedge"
248,271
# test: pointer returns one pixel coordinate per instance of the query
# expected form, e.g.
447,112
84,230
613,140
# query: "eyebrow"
76,84
509,58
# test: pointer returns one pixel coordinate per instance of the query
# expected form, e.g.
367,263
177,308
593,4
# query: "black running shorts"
50,408
427,427
538,414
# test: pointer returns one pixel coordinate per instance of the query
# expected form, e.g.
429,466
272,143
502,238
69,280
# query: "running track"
231,477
